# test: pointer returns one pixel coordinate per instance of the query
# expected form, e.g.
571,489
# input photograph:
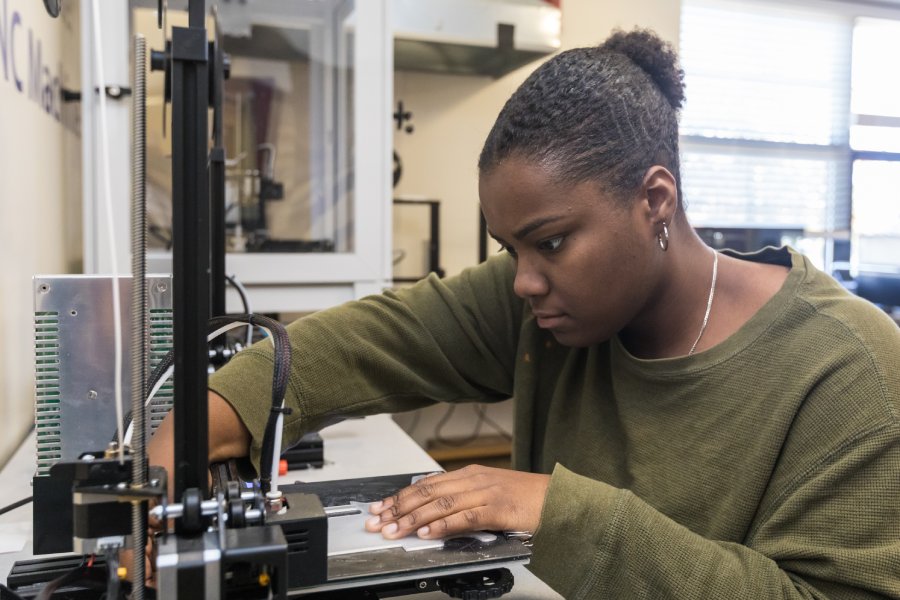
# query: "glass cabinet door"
288,123
306,128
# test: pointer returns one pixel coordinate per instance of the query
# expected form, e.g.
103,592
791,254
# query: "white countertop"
354,448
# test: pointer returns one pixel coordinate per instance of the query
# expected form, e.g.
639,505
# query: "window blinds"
765,125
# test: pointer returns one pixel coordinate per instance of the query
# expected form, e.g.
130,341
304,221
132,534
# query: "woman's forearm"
228,437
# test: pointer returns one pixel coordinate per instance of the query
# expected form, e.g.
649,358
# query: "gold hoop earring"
663,238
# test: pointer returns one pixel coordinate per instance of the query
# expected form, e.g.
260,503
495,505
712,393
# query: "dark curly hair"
606,114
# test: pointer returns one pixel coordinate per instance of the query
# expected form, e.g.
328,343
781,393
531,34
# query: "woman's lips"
549,320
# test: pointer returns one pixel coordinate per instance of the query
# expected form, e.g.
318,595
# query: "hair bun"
655,56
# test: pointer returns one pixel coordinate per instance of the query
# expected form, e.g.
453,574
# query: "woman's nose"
529,282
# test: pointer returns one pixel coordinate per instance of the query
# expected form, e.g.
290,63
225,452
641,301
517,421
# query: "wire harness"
273,432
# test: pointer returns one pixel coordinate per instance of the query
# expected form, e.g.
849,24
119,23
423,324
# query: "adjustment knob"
478,586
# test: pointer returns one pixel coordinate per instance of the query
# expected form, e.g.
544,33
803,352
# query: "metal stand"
434,237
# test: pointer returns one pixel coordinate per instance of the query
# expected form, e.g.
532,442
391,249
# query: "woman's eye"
509,249
551,245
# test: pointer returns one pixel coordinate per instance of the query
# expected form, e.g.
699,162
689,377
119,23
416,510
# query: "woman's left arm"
833,534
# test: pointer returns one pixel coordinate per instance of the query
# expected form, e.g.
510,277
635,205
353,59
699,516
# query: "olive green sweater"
765,467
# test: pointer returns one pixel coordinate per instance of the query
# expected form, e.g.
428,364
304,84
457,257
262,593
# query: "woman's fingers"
466,500
424,491
441,502
471,519
419,494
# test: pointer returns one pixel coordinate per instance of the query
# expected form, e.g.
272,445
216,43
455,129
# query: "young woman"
688,423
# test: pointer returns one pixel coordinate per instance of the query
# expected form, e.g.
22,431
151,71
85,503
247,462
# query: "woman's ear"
660,192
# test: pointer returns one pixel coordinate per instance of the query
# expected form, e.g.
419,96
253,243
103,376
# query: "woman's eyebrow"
536,224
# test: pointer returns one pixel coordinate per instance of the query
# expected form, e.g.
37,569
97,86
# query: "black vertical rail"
217,184
191,236
217,188
197,14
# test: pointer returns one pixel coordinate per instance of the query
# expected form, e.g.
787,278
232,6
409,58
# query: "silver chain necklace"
712,293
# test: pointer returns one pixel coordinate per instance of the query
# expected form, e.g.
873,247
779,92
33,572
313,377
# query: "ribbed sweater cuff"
576,515
247,386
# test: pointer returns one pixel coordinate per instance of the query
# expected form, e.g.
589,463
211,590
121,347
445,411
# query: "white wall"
39,187
452,115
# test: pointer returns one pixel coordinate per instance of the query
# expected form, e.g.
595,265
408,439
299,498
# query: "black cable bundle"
279,385
279,381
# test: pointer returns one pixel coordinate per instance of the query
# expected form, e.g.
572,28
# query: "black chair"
879,288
